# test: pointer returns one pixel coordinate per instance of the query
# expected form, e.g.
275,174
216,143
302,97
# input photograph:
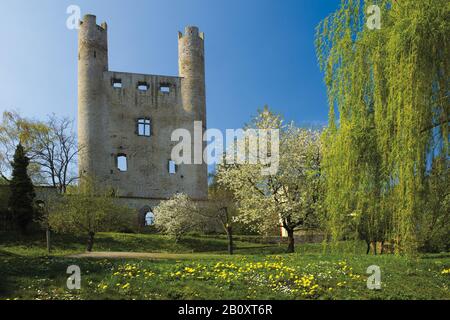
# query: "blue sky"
257,52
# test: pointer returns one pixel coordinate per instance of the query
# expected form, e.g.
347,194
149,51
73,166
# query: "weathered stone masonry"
126,119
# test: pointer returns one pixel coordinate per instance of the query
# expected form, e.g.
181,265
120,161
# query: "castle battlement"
91,20
191,31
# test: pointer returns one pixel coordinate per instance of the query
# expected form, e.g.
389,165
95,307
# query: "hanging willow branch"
388,94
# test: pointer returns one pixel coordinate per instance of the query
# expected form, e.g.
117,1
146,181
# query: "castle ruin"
125,120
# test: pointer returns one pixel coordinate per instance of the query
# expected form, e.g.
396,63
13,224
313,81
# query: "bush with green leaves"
89,208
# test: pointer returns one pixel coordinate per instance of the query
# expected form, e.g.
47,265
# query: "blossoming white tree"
291,195
177,216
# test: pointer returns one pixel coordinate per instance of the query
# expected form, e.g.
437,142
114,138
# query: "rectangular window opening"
144,127
164,88
122,164
172,167
143,86
117,83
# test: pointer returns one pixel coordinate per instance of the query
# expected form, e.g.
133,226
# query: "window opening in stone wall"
122,163
117,83
149,218
144,127
172,167
164,88
143,86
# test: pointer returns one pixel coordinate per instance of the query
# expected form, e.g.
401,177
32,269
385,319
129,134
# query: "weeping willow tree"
388,92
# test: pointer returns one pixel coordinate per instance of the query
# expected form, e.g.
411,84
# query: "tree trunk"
90,241
382,247
375,248
230,239
368,247
47,236
291,241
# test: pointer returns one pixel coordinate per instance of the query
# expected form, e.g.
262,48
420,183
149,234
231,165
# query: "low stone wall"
42,193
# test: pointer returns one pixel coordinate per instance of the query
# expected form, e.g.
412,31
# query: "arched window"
149,218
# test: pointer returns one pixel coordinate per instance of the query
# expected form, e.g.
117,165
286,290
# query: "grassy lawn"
199,268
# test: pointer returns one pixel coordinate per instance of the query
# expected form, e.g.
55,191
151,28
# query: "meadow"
199,268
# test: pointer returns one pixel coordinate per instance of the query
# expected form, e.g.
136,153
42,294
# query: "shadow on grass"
22,276
159,243
38,241
442,255
4,253
64,244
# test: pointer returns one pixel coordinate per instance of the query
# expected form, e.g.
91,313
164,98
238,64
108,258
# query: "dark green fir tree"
22,191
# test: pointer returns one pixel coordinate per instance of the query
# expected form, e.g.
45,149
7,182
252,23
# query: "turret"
191,60
92,63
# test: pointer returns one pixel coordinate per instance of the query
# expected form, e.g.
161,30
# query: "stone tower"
191,66
92,105
125,120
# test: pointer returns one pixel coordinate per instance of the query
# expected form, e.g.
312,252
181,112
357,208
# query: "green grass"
203,270
118,242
